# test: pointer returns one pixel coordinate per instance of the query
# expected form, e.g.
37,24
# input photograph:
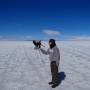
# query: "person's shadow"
61,77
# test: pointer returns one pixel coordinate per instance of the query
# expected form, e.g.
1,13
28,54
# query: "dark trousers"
54,71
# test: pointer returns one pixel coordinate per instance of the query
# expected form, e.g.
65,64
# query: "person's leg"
55,75
52,65
51,82
54,72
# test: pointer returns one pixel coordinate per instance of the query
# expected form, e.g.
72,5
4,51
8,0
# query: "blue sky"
43,19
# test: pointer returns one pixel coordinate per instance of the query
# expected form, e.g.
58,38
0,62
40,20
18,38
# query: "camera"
37,44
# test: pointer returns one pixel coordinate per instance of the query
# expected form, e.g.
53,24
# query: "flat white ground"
23,68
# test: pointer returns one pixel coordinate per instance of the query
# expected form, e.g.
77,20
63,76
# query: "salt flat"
23,68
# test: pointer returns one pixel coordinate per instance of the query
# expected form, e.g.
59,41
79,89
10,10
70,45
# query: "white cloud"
51,32
81,38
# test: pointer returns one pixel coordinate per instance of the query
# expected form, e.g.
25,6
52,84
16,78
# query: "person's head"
52,43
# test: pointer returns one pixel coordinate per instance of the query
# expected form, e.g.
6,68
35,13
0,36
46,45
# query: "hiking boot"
55,84
50,83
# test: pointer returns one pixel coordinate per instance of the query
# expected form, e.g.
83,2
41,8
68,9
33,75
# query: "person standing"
54,57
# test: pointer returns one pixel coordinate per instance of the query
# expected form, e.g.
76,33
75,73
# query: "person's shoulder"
57,48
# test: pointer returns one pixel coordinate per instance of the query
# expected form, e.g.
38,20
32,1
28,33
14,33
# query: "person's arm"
46,52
